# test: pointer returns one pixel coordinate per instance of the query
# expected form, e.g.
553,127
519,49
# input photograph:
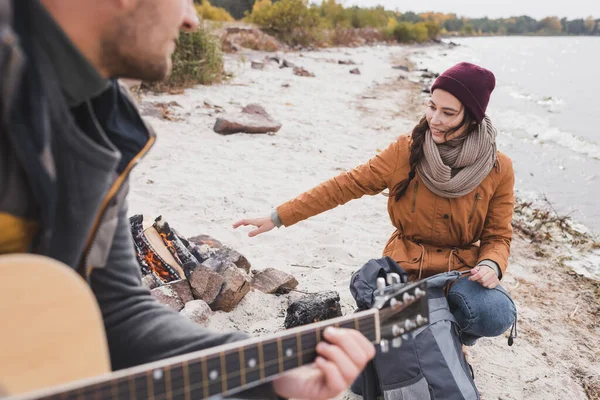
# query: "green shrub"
291,21
197,60
210,12
406,32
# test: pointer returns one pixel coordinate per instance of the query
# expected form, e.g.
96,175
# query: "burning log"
176,246
149,256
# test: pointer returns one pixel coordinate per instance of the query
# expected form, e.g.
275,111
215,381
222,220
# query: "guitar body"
51,329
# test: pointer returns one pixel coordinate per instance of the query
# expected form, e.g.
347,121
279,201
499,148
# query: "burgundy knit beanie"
469,83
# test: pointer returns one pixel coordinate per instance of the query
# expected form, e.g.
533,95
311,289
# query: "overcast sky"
491,8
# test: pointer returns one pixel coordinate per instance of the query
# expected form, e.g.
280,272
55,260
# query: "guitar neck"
219,371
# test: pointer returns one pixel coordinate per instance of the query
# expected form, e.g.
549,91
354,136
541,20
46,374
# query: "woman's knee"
489,312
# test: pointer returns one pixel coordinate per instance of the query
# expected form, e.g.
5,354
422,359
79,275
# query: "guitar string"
107,387
367,330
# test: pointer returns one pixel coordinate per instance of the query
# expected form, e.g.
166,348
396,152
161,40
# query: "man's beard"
132,65
123,53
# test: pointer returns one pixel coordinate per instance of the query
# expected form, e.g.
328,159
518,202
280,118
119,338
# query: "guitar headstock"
403,307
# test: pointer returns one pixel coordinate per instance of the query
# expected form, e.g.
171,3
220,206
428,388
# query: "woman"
451,200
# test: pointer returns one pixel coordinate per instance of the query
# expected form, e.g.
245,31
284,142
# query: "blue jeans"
480,312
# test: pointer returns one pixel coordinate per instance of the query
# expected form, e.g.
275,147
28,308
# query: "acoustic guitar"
53,346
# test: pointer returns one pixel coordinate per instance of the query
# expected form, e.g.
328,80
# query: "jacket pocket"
474,208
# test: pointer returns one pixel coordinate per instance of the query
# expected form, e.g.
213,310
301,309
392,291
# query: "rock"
167,296
257,65
151,281
256,120
197,311
429,75
287,64
205,284
272,281
401,67
225,256
183,289
355,71
313,308
346,62
236,286
203,252
205,239
302,72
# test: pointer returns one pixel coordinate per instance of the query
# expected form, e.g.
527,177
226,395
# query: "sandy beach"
202,182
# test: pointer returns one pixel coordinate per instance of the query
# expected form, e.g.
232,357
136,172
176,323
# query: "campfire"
198,275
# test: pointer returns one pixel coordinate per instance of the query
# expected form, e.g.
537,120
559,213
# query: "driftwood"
314,308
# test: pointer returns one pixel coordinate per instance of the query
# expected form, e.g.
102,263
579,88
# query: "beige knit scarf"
453,169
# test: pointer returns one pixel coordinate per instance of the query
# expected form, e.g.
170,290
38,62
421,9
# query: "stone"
205,239
197,311
183,289
151,281
257,65
401,67
167,296
287,64
227,255
236,286
252,119
355,71
273,281
302,72
313,308
205,284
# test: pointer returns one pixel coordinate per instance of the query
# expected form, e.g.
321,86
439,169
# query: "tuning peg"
419,293
385,346
421,320
393,278
397,331
409,325
395,303
407,298
380,283
396,342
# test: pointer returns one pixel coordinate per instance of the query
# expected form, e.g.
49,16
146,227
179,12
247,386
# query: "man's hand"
485,275
338,364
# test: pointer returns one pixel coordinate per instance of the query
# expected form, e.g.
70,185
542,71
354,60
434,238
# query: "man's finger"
334,381
348,369
353,343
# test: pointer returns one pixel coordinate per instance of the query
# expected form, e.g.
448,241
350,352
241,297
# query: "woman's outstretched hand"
262,224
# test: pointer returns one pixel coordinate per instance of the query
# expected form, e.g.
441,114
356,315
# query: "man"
69,138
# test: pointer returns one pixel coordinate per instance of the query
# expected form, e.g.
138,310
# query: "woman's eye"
449,114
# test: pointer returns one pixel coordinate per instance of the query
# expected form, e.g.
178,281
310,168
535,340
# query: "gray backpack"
430,363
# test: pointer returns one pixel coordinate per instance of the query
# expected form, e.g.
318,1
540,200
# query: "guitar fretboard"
222,370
